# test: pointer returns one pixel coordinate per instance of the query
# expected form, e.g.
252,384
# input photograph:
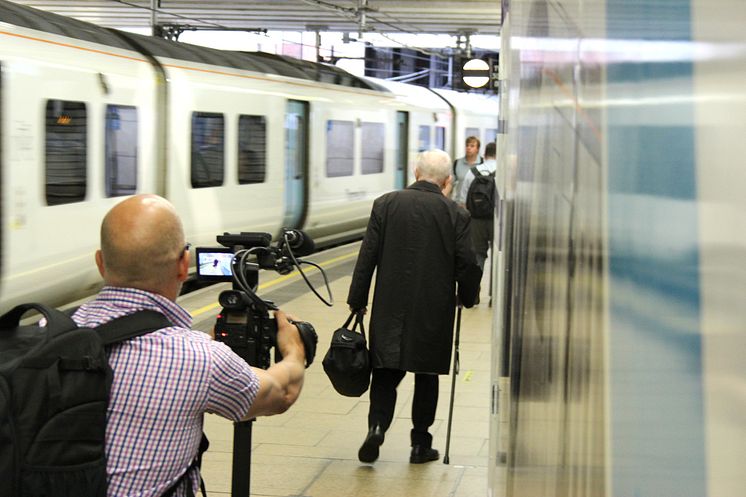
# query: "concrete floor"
311,450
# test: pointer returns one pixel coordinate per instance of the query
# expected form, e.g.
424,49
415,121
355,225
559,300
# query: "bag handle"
57,322
358,321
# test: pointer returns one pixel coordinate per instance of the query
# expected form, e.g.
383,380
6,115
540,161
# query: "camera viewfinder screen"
214,264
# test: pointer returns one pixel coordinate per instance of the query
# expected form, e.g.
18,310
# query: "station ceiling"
384,16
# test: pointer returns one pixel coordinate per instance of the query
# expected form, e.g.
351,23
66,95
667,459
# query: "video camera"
244,323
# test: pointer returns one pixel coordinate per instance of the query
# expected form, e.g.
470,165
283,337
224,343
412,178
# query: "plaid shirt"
163,383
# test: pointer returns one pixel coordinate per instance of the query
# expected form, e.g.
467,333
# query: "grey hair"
434,165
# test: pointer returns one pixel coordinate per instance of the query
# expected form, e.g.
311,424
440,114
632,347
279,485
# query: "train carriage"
237,141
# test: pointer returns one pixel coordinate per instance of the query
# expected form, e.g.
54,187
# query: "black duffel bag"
347,362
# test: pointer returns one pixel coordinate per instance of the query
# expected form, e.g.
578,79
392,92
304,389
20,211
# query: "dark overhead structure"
382,16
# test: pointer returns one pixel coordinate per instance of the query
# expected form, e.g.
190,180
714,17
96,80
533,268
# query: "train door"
402,149
296,163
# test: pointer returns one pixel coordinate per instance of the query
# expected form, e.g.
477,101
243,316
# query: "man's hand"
447,187
361,310
289,342
281,383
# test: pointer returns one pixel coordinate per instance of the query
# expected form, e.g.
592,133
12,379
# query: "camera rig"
244,322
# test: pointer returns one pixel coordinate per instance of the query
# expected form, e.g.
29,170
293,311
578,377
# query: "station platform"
311,450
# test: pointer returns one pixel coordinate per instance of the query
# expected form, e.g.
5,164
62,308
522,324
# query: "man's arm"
280,385
468,272
463,189
357,298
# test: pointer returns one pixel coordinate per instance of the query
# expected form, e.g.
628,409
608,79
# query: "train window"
121,150
471,132
208,149
490,135
423,142
252,149
339,148
440,137
372,144
66,151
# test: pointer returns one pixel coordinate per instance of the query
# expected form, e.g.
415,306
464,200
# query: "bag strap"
134,325
358,321
204,444
131,326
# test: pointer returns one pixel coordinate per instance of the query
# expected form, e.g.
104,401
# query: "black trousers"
383,401
482,234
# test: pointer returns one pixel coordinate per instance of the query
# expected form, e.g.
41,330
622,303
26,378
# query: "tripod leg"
446,458
241,481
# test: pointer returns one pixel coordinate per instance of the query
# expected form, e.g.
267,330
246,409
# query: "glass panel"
252,149
208,149
373,146
423,142
490,135
339,148
121,150
471,132
65,152
440,137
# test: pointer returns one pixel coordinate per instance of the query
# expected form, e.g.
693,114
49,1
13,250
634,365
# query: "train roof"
266,63
413,94
471,102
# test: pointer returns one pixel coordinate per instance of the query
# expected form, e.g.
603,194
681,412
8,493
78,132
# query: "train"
618,342
236,141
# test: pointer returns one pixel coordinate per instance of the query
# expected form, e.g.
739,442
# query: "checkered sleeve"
233,384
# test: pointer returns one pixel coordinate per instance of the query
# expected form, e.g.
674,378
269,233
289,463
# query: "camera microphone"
299,242
245,240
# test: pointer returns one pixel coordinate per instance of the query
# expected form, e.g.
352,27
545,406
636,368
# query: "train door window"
120,150
208,149
423,141
402,148
471,132
66,151
440,137
490,135
340,141
252,149
372,145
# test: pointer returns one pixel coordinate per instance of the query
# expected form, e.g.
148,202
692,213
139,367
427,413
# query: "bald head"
433,166
142,246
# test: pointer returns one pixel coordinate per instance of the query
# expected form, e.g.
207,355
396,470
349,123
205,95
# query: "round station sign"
476,73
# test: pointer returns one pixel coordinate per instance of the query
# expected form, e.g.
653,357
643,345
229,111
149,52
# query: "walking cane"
446,459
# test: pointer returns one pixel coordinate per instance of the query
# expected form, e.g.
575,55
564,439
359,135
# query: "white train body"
156,91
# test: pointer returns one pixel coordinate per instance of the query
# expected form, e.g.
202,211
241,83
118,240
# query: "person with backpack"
462,165
166,380
479,195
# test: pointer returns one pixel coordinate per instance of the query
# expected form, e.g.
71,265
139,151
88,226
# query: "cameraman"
166,380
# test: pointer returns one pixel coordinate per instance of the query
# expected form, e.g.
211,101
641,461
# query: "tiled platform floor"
311,451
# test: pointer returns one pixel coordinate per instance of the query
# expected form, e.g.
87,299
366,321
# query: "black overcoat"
420,243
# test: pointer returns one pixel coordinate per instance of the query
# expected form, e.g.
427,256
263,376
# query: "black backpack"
54,391
480,199
347,362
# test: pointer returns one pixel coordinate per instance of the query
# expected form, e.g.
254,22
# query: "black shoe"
421,454
369,450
